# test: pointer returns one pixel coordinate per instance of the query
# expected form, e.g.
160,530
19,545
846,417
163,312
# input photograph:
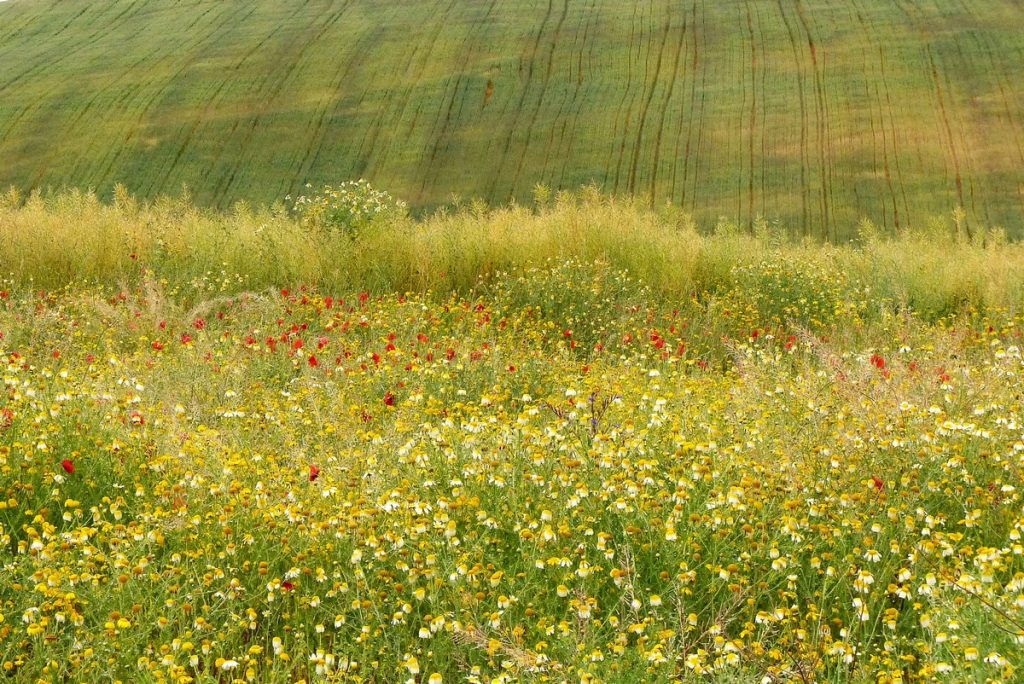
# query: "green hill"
812,112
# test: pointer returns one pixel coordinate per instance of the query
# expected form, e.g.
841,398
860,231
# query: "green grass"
811,113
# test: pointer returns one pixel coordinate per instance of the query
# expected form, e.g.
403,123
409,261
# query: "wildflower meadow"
561,471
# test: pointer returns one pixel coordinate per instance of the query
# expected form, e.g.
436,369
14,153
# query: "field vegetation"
814,113
575,441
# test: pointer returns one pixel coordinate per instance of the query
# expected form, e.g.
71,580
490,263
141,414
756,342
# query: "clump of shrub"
347,208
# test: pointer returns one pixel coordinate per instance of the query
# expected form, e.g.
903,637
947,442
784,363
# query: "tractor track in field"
158,180
155,94
557,134
960,127
893,130
431,44
559,122
28,19
736,130
1013,120
752,125
84,111
645,107
402,103
533,49
886,166
634,97
43,65
271,97
622,102
214,99
876,103
272,81
764,116
889,132
920,24
666,105
703,110
950,142
315,145
545,82
570,92
116,150
588,47
324,112
655,47
684,112
362,154
70,51
150,57
474,41
804,125
983,45
821,116
830,143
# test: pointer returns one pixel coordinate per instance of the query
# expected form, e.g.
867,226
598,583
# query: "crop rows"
810,112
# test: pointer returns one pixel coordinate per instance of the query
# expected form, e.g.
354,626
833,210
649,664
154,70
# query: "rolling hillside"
812,112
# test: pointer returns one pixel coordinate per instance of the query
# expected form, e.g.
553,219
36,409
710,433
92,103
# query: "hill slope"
812,112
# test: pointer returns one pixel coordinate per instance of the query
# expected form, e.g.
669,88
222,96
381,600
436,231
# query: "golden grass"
74,237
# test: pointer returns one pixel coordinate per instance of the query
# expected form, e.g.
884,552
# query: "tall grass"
71,237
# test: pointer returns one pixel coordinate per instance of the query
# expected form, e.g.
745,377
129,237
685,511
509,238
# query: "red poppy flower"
313,363
314,472
389,399
68,466
878,482
287,586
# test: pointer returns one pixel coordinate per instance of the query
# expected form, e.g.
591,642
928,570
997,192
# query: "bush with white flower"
349,207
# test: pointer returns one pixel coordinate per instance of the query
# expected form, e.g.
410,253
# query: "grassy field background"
808,112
